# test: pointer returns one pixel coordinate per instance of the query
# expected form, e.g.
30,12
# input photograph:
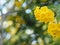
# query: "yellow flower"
37,13
19,19
54,30
18,4
44,14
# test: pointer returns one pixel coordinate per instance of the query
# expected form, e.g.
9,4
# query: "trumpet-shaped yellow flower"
54,30
44,14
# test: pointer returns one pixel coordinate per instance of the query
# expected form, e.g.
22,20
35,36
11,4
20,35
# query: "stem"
1,28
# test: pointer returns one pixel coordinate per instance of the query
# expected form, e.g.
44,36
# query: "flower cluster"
54,30
44,14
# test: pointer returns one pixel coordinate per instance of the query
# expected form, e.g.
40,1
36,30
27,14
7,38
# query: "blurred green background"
20,26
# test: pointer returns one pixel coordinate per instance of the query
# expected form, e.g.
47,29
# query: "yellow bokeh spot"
18,4
13,30
10,23
20,20
0,17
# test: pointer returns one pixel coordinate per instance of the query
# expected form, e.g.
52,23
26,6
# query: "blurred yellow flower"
17,25
13,30
0,17
40,41
18,4
10,23
19,20
7,24
54,30
14,38
44,14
